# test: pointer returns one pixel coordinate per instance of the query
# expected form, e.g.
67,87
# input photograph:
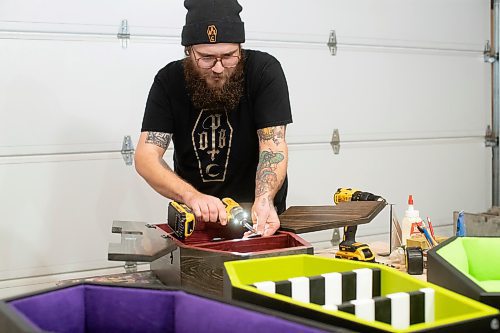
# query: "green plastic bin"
451,312
469,266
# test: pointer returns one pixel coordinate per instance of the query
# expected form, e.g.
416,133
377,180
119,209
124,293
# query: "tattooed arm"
271,172
150,165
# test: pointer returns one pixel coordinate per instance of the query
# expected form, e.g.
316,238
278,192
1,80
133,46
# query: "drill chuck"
236,215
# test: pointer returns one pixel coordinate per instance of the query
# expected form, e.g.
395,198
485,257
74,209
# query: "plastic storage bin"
408,304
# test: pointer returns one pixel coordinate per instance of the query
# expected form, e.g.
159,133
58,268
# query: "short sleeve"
272,101
158,116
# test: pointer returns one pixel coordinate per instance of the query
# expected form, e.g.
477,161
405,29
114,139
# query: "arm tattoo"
276,134
159,139
266,178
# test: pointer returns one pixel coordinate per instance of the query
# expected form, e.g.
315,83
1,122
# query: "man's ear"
187,50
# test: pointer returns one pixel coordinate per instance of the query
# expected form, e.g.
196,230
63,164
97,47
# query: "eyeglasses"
227,61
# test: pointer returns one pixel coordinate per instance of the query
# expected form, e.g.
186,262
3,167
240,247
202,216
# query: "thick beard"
214,98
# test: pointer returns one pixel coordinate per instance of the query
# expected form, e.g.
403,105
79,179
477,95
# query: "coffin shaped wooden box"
196,263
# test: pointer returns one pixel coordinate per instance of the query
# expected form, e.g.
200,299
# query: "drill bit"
249,227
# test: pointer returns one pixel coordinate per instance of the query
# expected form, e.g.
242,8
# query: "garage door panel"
74,96
381,95
391,22
92,15
57,212
443,176
445,23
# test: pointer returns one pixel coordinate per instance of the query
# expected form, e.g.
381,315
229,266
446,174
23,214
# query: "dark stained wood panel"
300,219
202,270
199,264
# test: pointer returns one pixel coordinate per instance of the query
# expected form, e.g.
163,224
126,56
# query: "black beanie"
212,21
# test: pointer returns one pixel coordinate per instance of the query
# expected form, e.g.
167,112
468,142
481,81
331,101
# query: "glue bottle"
410,221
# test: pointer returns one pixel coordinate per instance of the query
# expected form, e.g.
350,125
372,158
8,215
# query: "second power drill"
349,246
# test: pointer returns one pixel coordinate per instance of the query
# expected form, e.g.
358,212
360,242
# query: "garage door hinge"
489,55
490,139
123,34
332,43
335,143
127,150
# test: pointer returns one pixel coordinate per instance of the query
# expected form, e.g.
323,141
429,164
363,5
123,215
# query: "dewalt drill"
349,248
236,215
182,220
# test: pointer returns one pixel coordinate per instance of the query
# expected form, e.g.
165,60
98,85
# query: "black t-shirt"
218,153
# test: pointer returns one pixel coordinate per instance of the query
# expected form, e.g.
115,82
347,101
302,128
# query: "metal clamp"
488,54
335,143
124,34
127,150
332,43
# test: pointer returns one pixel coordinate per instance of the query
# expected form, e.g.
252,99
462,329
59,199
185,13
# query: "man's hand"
206,208
264,217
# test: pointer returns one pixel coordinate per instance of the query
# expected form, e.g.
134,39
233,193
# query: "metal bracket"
488,54
130,267
124,34
335,241
335,143
332,43
490,139
127,150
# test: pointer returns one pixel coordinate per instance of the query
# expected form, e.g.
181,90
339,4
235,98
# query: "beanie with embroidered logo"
212,21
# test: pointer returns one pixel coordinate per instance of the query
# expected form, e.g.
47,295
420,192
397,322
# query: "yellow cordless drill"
236,215
182,220
349,248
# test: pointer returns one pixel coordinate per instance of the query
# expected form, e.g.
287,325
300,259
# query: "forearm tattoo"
276,134
159,139
266,178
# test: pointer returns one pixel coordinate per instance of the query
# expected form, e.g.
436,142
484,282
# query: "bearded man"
225,109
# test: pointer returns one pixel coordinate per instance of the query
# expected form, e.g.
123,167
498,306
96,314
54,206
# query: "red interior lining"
203,239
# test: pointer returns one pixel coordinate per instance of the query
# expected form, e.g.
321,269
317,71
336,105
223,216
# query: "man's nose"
218,68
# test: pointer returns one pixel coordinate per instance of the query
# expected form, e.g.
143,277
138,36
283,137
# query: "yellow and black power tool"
349,248
182,220
236,215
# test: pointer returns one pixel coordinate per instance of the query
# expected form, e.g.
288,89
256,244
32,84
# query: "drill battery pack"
180,219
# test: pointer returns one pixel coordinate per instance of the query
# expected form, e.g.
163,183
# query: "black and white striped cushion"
329,288
358,292
399,309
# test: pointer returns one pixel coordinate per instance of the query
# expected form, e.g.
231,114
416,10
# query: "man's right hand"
206,208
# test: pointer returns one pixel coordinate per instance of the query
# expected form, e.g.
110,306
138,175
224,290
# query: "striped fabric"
357,292
328,289
399,309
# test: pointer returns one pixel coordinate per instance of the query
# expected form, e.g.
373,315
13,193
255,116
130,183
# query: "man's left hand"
264,217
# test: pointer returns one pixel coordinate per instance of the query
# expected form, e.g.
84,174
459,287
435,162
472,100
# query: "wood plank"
300,219
203,269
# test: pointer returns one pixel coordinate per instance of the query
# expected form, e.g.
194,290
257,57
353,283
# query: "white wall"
408,91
